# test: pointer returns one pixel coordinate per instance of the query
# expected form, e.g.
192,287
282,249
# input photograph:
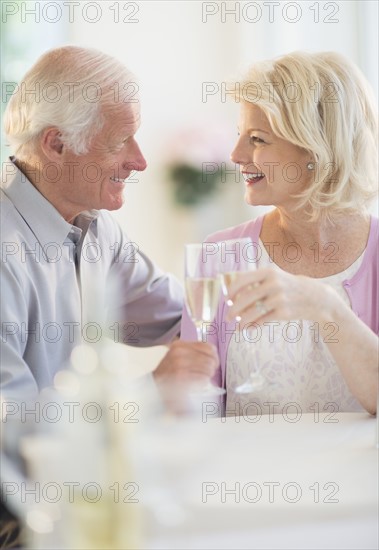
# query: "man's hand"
187,364
185,368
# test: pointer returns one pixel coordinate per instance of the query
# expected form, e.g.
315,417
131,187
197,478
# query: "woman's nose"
239,154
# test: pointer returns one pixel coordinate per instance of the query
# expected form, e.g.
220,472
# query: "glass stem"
201,332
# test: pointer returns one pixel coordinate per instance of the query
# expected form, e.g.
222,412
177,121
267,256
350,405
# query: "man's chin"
117,205
113,203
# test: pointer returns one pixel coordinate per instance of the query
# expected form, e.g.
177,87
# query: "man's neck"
34,171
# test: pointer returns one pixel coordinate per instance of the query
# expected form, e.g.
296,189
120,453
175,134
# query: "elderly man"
69,273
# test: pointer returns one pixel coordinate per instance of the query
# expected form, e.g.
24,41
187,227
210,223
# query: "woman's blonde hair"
322,103
70,88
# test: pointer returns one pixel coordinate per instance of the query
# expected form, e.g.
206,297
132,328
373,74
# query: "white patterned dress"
300,372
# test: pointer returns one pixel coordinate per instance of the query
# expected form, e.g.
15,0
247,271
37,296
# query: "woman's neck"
298,228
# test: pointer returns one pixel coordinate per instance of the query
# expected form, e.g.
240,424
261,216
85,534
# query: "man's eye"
117,148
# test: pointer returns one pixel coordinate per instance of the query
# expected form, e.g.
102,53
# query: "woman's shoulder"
371,253
251,228
374,226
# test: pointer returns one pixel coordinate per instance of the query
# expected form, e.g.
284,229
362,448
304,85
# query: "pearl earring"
310,166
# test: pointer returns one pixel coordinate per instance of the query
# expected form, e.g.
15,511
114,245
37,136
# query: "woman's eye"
256,139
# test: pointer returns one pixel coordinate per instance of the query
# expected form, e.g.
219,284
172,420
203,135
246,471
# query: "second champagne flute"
235,257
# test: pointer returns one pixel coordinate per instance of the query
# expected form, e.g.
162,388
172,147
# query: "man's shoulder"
5,202
9,216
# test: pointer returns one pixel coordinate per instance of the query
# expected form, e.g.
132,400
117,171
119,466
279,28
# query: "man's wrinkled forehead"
123,108
123,117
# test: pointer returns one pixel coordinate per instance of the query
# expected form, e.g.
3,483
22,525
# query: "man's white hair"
72,89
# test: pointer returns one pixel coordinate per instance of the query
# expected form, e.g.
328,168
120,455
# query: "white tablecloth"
271,482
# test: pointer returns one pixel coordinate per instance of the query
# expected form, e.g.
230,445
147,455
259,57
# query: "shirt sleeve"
145,303
17,382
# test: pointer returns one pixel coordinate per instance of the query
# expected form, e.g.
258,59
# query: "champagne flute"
202,286
239,255
234,256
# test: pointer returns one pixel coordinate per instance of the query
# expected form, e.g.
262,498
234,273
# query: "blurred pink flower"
201,143
195,160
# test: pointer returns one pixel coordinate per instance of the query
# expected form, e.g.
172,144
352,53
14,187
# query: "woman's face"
273,169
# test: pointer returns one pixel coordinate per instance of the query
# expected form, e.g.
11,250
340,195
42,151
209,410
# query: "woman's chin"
251,201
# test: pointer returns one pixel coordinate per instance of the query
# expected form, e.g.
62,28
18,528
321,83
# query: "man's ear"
51,144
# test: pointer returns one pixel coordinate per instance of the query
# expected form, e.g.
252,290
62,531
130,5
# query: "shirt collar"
41,216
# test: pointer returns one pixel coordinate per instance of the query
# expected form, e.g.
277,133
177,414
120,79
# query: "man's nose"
134,159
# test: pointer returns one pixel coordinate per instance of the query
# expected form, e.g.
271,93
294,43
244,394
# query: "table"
280,481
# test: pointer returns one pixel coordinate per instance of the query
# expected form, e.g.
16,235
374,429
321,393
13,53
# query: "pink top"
362,290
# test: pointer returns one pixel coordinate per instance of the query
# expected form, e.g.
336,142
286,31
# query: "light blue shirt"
50,302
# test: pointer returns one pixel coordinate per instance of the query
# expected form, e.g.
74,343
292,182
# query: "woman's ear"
51,144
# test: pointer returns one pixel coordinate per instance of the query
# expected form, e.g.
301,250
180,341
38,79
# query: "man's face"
96,179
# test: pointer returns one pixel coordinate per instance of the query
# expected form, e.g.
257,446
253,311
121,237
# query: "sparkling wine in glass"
235,256
202,293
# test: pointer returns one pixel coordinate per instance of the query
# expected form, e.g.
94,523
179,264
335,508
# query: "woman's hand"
269,294
272,295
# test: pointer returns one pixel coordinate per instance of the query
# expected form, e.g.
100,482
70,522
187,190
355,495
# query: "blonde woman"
307,319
